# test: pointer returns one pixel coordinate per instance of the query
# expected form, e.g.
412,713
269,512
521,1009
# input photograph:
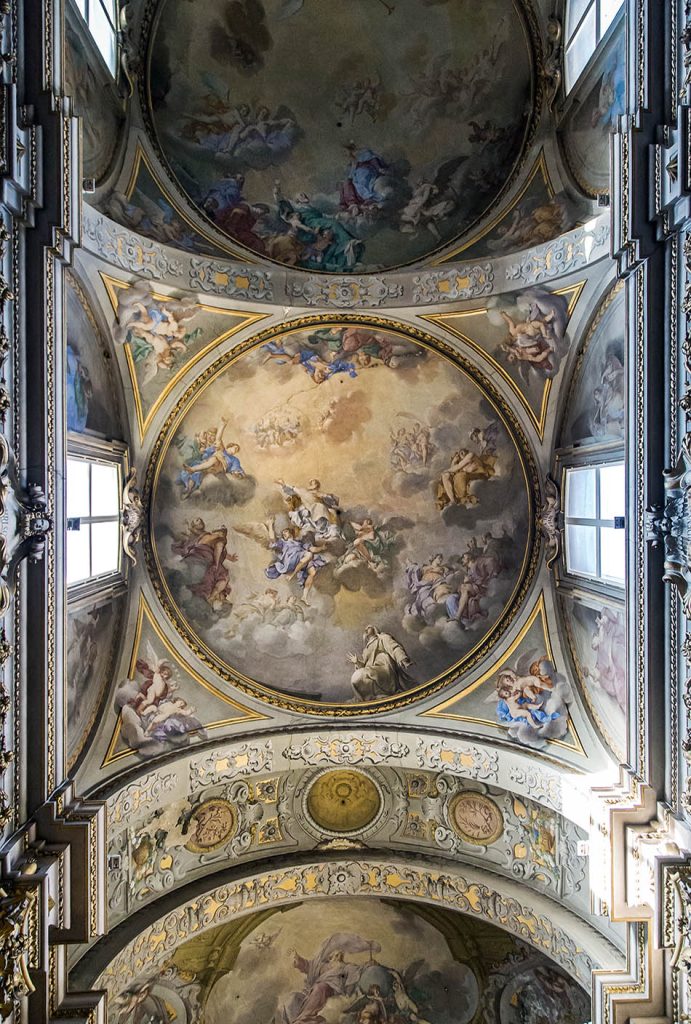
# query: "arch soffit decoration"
553,930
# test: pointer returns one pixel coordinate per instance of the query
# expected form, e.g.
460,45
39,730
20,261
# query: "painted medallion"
476,818
343,800
422,115
341,515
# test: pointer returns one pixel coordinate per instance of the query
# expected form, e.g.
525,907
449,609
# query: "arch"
559,934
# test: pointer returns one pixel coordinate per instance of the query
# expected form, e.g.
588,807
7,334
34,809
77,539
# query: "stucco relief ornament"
34,520
344,292
132,515
549,519
16,916
346,750
670,525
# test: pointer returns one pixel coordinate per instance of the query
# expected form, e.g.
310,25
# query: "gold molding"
144,612
440,710
483,646
540,165
112,286
141,157
441,320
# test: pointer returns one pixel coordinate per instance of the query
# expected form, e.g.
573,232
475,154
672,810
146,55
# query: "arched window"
587,23
102,18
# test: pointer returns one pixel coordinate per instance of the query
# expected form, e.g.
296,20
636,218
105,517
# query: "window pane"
81,7
103,34
581,48
608,12
77,487
109,7
581,549
77,554
105,548
612,496
581,493
613,553
576,8
105,497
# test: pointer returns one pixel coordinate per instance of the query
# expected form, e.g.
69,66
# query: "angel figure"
265,940
296,558
362,97
370,543
155,329
536,342
531,342
210,455
532,700
158,681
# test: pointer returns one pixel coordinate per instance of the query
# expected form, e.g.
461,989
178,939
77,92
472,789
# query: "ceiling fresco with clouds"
370,177
348,511
349,475
363,962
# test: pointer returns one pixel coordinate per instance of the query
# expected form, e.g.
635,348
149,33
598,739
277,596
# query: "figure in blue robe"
366,167
292,553
78,391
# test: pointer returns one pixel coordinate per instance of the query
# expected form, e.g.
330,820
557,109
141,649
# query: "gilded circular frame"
265,692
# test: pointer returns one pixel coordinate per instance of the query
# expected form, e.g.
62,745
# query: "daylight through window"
93,519
587,23
101,17
594,521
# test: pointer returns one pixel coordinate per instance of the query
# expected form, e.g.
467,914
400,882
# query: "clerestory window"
102,18
594,522
93,491
586,24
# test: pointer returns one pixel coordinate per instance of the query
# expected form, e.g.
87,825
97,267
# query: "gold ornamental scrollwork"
18,950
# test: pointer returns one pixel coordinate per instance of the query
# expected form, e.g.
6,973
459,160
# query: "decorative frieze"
223,277
346,750
344,292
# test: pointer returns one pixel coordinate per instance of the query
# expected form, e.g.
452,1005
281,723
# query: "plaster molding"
556,932
413,749
131,252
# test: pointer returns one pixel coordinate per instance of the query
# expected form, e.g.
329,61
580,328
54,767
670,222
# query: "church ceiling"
351,476
390,958
224,816
344,426
345,481
369,177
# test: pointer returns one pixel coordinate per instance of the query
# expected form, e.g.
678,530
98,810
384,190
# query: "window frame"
600,37
596,522
114,23
95,450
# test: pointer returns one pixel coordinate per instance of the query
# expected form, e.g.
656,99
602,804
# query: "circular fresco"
343,800
340,515
211,825
339,137
476,818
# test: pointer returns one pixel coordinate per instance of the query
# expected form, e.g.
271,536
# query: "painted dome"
362,135
341,515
